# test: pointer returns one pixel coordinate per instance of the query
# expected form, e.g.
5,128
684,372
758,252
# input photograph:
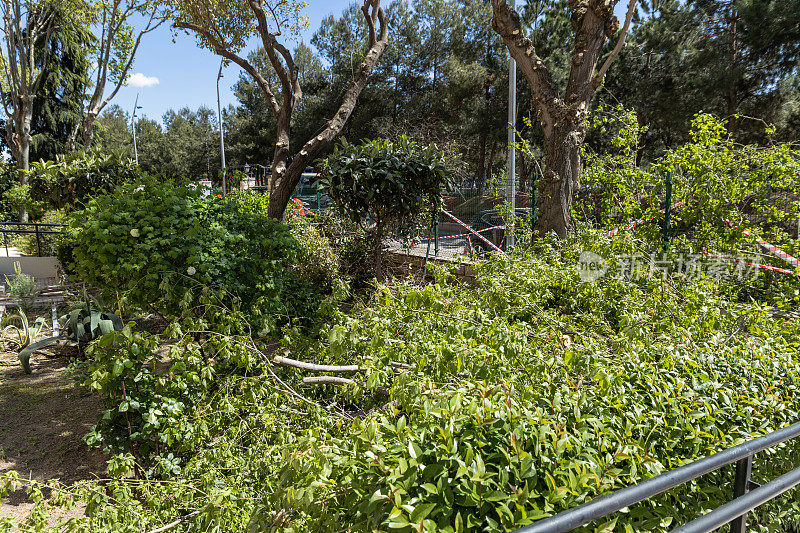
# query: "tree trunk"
88,128
21,144
490,163
561,179
284,178
525,167
563,118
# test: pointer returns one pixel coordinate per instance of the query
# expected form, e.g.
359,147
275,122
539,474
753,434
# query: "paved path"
11,251
449,249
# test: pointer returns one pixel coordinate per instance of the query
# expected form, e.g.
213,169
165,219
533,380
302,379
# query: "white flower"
134,232
191,271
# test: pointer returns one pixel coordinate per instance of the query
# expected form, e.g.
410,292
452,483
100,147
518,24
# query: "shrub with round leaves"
159,243
72,179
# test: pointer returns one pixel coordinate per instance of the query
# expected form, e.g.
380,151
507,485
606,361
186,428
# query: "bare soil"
43,419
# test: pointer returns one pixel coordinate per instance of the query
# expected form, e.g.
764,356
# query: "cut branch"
302,365
327,380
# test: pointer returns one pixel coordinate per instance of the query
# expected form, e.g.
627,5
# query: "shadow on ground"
43,418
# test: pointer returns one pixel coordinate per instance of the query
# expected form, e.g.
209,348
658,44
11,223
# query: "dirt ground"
43,418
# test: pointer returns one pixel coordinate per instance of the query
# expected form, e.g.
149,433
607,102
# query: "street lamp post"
512,140
221,134
133,127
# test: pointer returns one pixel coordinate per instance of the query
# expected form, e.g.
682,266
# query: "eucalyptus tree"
225,26
562,114
114,52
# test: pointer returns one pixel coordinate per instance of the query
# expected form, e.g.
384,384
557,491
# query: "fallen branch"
327,380
176,522
302,365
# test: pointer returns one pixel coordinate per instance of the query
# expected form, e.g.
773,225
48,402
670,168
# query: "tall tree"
224,27
27,26
563,117
57,110
252,125
114,53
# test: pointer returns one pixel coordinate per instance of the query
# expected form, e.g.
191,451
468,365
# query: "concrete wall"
45,270
463,272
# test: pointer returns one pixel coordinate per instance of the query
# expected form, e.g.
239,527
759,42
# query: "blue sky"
187,74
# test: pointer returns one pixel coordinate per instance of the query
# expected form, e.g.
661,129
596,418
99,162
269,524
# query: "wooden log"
302,365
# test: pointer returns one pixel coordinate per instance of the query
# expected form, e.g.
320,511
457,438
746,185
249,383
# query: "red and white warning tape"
757,265
639,222
461,234
764,244
769,247
473,232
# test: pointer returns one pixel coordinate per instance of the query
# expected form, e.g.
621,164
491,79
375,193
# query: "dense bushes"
473,408
73,178
526,395
714,180
158,244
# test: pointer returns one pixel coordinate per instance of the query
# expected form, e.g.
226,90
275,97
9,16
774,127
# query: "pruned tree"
26,26
114,54
225,26
386,185
563,116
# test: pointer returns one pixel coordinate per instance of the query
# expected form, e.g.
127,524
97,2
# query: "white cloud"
140,80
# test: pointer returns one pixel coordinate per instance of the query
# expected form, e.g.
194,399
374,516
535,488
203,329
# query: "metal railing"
733,512
37,230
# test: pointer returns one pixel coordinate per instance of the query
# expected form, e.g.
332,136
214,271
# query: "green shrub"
352,244
387,184
160,244
19,197
72,179
533,393
527,394
22,288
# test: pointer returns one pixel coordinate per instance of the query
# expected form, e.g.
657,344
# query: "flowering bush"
157,244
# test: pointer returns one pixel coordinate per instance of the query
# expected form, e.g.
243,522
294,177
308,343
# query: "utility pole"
221,134
133,126
512,141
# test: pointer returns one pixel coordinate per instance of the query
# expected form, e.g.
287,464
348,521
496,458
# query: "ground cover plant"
476,408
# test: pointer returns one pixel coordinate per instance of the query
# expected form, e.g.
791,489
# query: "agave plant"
17,323
81,325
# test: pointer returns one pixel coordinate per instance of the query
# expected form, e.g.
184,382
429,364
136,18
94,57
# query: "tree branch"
302,365
506,22
598,78
220,50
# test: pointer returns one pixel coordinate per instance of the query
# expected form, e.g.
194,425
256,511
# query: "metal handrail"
35,230
741,505
610,503
32,224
